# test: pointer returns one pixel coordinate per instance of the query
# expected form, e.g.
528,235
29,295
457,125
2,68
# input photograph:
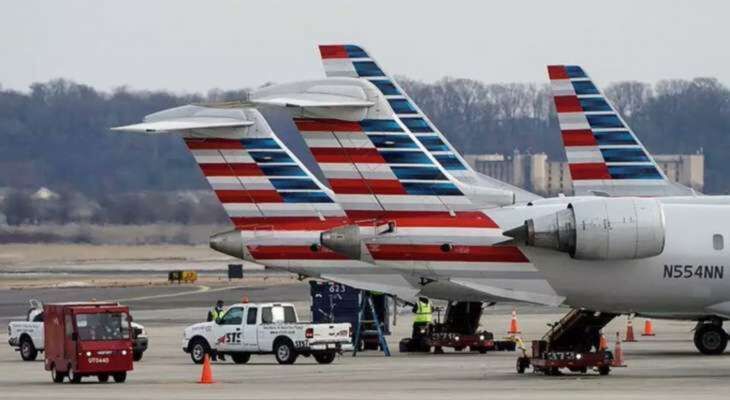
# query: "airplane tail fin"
604,155
259,181
349,60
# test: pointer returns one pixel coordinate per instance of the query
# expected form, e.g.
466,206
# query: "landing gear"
710,338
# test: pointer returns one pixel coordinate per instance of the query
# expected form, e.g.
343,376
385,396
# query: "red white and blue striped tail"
604,155
260,182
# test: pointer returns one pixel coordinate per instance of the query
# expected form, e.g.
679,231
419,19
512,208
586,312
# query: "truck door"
250,330
71,340
228,330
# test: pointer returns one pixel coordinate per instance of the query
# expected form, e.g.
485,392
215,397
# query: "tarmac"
666,366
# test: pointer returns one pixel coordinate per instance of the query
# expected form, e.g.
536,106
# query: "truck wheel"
103,378
241,358
710,339
120,377
73,377
137,355
28,351
325,358
284,352
198,349
56,376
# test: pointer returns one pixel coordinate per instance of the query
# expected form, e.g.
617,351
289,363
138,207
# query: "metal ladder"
366,301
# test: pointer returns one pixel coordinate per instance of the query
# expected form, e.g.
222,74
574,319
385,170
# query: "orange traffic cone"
207,376
629,330
514,327
648,328
603,344
618,353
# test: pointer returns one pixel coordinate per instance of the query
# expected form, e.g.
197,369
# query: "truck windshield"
102,326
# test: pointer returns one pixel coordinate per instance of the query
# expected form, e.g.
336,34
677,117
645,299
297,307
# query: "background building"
538,174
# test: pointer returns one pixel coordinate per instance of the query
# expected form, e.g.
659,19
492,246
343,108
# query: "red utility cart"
85,339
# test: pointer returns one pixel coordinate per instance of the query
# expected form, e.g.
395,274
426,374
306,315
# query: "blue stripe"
402,106
282,170
433,143
604,121
405,157
355,51
305,197
575,71
634,172
386,87
425,173
367,68
624,155
393,142
284,183
417,125
380,125
270,156
450,162
260,144
615,137
589,104
584,87
435,189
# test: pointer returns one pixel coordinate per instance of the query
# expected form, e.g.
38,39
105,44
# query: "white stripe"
354,140
242,210
339,67
562,87
237,156
569,121
583,154
224,183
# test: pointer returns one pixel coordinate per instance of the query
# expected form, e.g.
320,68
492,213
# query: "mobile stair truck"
87,339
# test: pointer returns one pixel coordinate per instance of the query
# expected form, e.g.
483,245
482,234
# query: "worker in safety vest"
423,311
215,314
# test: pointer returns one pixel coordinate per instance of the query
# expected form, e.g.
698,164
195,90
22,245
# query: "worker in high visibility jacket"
423,312
215,314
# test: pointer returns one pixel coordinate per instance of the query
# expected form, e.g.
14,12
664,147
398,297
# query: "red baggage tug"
87,339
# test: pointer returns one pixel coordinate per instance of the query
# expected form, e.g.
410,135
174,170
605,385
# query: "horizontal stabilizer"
184,124
392,284
501,294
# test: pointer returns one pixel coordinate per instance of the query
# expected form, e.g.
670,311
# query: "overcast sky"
192,46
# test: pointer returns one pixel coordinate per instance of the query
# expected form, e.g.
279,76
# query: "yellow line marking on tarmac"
200,289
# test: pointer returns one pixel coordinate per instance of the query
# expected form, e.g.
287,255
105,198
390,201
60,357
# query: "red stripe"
293,253
579,137
249,196
333,51
425,219
589,171
231,170
347,155
557,72
326,125
264,224
429,252
567,104
367,186
213,144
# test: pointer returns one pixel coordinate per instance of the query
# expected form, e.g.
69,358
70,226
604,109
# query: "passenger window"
289,315
718,243
251,316
234,316
266,316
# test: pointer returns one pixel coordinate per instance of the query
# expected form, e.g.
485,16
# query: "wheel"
325,358
241,358
404,346
120,377
56,376
284,352
137,355
710,339
73,377
604,370
28,351
103,378
198,349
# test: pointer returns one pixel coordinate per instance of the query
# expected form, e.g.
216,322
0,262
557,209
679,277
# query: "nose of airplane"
230,243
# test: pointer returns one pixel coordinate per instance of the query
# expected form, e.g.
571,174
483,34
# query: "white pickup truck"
27,336
265,328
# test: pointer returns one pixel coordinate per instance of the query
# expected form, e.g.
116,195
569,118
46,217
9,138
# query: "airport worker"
216,312
423,312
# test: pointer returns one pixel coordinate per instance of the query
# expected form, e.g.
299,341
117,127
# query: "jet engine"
600,229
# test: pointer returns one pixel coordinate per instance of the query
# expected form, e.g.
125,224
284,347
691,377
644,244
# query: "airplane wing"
500,294
392,284
604,155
